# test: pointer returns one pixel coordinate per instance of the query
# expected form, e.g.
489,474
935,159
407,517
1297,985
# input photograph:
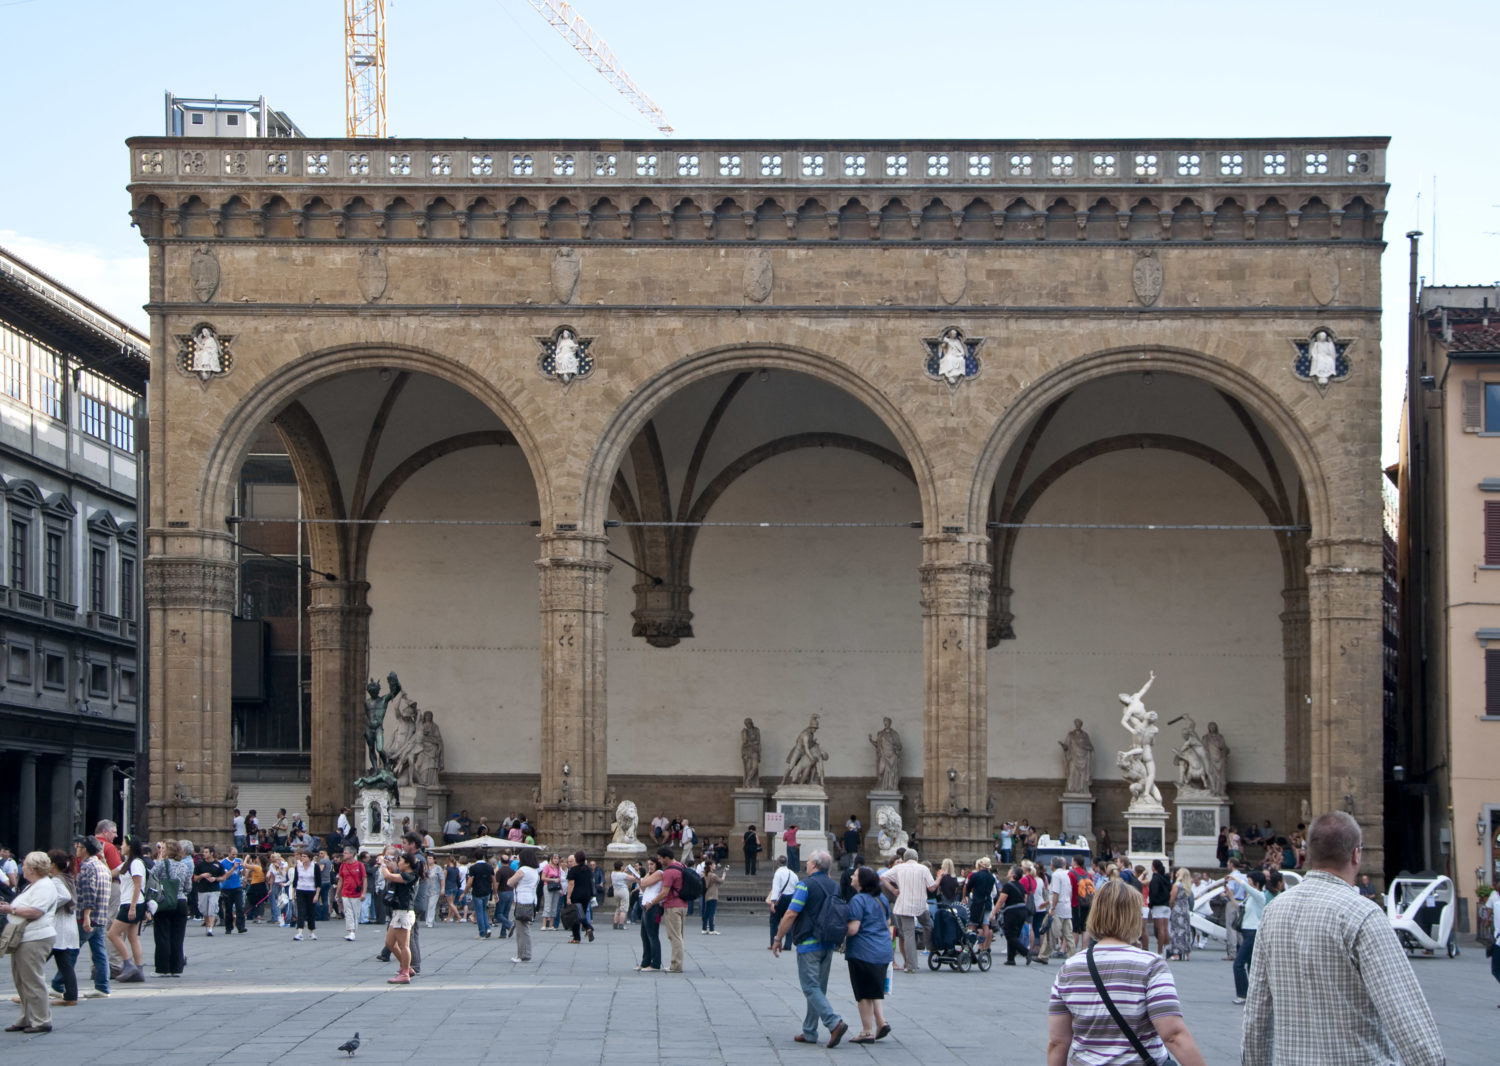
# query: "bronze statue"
375,705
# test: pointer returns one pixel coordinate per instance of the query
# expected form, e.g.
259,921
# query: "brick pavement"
265,998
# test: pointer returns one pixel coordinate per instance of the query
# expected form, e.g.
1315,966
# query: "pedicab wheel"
934,960
964,961
984,960
1452,946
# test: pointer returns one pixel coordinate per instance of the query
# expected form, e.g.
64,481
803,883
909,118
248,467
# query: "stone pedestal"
634,851
806,807
1146,834
749,808
373,818
1199,817
879,798
1077,814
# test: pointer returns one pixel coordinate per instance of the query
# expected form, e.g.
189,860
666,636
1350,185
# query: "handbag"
525,912
10,936
1114,1012
572,916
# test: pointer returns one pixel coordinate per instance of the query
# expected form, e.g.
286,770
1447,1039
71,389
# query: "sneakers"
517,958
96,994
208,932
349,937
312,936
1238,999
299,935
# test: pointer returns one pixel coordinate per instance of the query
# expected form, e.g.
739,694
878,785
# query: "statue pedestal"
630,852
1146,834
1077,814
749,808
1199,816
878,798
373,818
806,807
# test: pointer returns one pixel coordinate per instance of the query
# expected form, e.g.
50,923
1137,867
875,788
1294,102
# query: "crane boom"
364,67
573,29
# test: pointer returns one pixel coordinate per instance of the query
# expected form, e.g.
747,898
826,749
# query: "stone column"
1345,652
104,796
338,618
189,600
60,799
955,617
574,582
1298,684
26,806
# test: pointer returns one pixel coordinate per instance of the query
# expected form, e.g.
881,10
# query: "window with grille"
55,560
20,554
15,367
127,588
47,371
1492,682
98,575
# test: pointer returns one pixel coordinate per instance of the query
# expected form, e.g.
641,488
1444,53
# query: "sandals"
883,1032
861,1040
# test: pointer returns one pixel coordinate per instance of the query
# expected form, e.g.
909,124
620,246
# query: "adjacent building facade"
604,447
71,377
1450,517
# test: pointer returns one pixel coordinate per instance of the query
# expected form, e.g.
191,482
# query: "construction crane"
364,62
364,67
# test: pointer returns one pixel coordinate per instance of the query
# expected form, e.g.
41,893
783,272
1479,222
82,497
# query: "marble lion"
625,823
892,835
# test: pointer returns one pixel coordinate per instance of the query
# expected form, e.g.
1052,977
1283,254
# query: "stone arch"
1229,220
236,218
770,221
1145,222
631,415
978,221
281,221
360,222
1103,221
938,222
149,215
646,221
563,221
812,220
729,221
1187,221
895,222
1020,221
484,220
196,220
1234,382
854,221
687,221
604,221
1315,221
279,389
320,220
1356,219
1271,221
1062,221
525,222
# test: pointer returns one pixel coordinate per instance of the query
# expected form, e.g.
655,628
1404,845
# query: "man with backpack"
817,920
681,885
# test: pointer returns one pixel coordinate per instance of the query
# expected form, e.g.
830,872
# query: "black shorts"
867,979
125,911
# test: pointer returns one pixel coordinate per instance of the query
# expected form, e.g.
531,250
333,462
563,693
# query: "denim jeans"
710,908
651,937
794,857
482,914
95,942
1242,963
504,908
812,975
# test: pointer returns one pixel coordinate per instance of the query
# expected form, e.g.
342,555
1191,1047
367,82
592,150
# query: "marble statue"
887,744
1191,761
375,707
1323,358
1078,760
750,754
429,758
625,824
565,356
403,739
1217,754
890,835
805,762
207,358
952,357
1138,763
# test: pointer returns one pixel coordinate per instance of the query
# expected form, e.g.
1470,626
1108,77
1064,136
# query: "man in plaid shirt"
1329,982
90,906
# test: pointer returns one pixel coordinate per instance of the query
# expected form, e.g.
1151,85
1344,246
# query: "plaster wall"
1096,610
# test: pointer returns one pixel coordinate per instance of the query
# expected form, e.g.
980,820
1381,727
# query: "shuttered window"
1492,682
1473,406
1492,532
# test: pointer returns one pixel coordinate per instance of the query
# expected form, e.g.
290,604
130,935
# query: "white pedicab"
1207,920
1421,911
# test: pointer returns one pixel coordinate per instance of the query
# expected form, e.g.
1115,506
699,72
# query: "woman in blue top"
1255,902
868,952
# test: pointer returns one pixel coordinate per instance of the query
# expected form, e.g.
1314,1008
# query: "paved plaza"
264,998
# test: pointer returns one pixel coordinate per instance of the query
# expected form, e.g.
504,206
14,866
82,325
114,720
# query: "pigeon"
350,1045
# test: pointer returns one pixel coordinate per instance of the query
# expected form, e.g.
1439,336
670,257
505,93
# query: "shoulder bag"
1114,1012
10,936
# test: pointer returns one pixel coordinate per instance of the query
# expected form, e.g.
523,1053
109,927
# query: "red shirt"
671,879
351,879
111,855
790,836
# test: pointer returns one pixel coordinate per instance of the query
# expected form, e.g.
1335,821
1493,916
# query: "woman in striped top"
1080,1028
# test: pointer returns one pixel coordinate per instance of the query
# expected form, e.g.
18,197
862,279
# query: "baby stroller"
953,942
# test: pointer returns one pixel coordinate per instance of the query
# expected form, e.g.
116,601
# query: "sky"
83,75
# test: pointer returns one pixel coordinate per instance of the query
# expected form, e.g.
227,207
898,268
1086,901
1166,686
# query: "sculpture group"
414,755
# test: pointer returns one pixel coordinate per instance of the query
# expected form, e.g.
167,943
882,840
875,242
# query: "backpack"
162,888
692,884
832,923
1085,885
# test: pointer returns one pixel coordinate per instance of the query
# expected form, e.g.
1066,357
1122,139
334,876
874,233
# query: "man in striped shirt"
1329,983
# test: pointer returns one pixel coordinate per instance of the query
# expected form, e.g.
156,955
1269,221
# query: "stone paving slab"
272,999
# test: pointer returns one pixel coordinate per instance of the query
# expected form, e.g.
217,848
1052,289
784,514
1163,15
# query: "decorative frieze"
194,583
